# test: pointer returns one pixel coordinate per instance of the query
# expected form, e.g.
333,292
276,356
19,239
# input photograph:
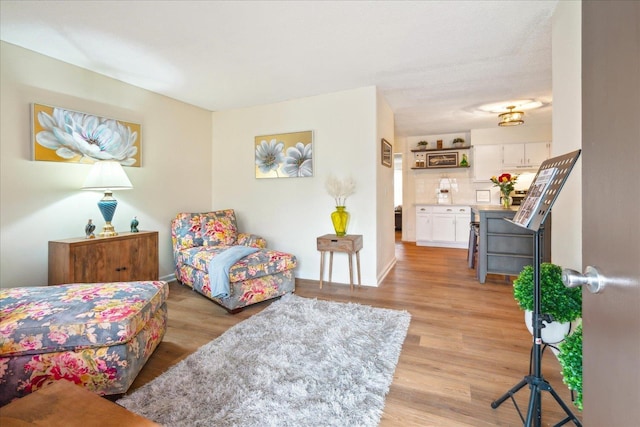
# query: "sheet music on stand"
544,190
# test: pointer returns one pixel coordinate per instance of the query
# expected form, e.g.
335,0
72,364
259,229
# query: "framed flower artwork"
61,135
284,155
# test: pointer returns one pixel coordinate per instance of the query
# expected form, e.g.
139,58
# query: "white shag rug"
299,362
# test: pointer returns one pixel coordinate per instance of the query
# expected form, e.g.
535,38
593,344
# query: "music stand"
533,211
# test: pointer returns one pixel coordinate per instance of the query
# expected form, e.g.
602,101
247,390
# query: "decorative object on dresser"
299,362
89,229
230,268
134,224
98,335
126,257
107,176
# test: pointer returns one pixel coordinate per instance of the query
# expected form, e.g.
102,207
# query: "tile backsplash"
460,188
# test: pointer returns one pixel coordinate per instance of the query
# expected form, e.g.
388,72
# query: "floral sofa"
199,238
97,335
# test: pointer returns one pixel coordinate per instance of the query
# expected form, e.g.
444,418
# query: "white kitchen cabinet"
525,156
445,226
487,162
463,220
494,159
423,224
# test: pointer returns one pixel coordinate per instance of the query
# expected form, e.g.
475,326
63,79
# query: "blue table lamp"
107,176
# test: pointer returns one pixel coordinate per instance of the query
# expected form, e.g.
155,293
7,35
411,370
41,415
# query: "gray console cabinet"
505,248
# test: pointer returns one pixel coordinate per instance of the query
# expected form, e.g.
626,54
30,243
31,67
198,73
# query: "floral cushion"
186,231
258,264
219,228
46,319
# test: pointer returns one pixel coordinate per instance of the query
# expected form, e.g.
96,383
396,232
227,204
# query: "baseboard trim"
386,271
168,278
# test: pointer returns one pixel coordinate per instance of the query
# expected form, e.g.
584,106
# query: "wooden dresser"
64,404
122,258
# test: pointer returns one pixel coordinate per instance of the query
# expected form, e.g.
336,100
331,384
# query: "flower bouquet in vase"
340,189
506,182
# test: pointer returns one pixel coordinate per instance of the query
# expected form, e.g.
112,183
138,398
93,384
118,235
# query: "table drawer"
339,243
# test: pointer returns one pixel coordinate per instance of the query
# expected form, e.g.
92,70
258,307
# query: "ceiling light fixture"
511,118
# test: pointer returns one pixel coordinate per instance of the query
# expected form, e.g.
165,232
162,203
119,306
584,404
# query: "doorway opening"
397,193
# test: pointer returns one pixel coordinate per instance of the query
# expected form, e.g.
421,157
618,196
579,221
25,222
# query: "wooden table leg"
350,255
358,263
321,267
330,266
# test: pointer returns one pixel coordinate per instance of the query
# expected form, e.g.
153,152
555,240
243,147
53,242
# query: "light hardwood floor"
466,345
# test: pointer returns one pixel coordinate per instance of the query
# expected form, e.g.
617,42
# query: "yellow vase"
340,220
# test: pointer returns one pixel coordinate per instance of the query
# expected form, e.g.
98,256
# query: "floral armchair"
198,238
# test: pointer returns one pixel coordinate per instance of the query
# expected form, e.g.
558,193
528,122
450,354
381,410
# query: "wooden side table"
351,244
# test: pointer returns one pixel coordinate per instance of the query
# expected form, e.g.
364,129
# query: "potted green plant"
563,304
458,142
422,145
570,357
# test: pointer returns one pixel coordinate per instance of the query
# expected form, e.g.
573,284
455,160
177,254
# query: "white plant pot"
552,333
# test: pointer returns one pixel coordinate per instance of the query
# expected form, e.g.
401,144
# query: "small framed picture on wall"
387,153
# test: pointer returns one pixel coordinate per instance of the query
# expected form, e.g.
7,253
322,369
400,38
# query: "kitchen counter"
505,248
498,208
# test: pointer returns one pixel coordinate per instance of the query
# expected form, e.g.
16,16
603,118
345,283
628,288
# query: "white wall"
291,213
566,241
385,239
42,201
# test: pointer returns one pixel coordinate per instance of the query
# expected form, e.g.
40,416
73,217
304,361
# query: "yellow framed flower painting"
60,135
284,155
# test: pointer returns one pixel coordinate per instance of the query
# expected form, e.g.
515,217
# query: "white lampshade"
107,175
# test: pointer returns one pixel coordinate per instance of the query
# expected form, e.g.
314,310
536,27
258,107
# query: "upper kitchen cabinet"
494,159
487,162
525,156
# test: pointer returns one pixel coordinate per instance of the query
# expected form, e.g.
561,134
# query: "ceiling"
434,62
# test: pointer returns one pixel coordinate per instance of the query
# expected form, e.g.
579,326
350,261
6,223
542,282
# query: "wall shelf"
450,167
431,150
